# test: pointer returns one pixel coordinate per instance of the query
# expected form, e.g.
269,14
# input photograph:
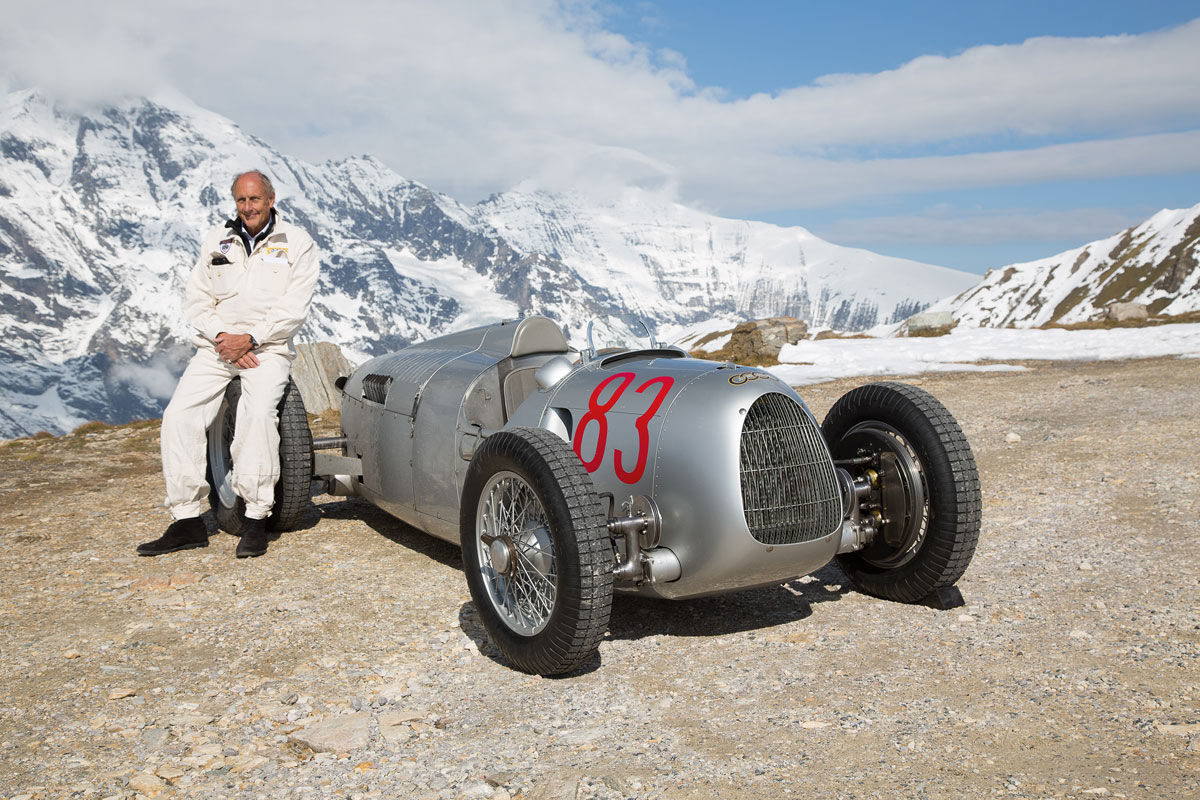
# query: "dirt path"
1073,671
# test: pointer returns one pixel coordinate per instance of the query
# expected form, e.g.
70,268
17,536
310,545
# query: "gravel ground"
350,662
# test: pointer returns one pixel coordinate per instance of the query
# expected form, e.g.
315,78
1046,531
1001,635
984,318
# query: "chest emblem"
225,245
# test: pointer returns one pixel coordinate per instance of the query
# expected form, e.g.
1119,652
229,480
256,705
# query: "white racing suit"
265,293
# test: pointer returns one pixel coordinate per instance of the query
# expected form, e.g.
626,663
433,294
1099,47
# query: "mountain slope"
1155,263
673,264
100,215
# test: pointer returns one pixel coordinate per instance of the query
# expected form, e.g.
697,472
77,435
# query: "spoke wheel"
536,551
924,499
516,553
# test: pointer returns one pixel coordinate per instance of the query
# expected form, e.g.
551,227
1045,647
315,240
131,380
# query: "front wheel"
536,551
924,499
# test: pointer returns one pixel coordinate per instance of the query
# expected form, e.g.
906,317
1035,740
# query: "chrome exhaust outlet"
644,561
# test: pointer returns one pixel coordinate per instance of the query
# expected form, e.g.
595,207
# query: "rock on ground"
343,734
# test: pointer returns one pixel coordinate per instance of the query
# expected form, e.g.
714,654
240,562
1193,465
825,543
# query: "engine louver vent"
375,388
790,493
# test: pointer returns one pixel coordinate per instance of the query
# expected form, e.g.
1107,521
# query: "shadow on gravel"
310,518
636,617
472,627
392,529
750,610
632,617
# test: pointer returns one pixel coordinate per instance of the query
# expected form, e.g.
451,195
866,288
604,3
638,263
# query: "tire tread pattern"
293,490
563,647
955,503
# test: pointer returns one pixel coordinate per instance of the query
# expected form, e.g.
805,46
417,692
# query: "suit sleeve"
288,313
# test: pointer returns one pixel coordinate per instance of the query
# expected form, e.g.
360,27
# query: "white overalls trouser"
255,448
265,294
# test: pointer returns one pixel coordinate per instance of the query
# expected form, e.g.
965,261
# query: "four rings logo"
745,377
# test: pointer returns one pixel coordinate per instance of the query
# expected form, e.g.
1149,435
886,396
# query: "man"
246,297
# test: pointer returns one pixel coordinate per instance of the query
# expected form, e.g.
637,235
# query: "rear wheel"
292,490
924,498
536,551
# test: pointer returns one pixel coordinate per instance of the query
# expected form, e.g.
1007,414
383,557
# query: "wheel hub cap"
501,552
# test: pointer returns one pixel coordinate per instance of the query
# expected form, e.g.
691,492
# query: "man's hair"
266,182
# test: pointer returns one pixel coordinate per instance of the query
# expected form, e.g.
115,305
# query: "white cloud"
475,96
1049,86
751,182
157,378
943,225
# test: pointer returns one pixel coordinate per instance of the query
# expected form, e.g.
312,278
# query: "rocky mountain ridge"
1156,263
100,214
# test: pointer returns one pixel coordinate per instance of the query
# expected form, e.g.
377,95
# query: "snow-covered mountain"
1156,263
100,215
673,264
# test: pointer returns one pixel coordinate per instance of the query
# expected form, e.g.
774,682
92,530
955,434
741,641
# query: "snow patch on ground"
813,362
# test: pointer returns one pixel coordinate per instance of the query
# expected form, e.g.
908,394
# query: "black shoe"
254,539
182,534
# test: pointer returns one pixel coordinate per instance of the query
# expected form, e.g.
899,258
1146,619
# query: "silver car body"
731,458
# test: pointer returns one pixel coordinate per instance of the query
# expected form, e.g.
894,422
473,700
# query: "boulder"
930,323
1126,312
315,369
343,734
762,339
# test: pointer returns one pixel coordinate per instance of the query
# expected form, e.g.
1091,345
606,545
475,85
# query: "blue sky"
751,47
766,47
970,135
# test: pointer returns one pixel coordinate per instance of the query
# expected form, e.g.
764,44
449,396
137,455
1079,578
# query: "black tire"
927,495
545,594
293,490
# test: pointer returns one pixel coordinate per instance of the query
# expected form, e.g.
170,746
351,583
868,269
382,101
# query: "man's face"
253,203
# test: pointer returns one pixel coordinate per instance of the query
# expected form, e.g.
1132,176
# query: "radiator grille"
789,490
375,387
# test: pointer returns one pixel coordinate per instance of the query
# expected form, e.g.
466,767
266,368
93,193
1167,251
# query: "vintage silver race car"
566,476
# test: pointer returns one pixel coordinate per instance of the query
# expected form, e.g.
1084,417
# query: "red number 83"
598,411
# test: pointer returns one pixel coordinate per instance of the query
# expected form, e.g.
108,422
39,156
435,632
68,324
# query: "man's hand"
236,349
